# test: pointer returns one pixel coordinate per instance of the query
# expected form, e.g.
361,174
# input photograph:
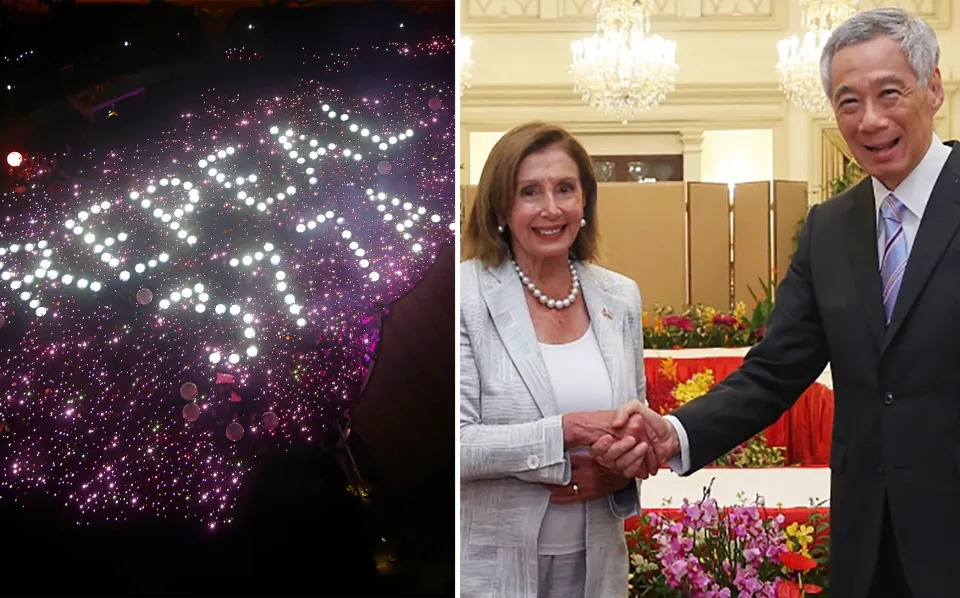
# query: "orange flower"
789,589
668,367
798,562
646,319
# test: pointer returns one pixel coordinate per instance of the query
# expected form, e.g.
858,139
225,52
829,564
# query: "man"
874,289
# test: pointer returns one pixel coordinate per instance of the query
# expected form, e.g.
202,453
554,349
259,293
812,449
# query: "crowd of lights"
189,298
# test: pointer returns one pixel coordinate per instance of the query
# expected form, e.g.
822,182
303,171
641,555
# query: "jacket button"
888,398
533,461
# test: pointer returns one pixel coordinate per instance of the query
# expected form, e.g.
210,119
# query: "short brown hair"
498,190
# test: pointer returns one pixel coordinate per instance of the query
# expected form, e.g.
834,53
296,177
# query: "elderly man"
874,288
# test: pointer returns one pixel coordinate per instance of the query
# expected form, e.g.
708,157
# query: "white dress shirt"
914,193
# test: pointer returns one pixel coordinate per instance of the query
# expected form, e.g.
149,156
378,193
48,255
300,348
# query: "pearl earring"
500,228
583,222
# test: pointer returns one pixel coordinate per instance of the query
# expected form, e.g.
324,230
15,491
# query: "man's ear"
935,88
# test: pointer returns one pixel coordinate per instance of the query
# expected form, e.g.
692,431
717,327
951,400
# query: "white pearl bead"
531,286
551,302
537,294
543,299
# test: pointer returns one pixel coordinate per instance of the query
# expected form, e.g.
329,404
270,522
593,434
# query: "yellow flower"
799,536
646,319
740,311
658,325
696,386
708,313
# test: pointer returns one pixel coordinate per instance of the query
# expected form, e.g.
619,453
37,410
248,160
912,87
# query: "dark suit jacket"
896,433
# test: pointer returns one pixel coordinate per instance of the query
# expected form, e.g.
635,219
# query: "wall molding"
578,16
564,95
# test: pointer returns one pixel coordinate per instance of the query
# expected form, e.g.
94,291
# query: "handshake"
625,443
633,440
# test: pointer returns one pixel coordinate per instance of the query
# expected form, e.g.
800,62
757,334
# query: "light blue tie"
894,261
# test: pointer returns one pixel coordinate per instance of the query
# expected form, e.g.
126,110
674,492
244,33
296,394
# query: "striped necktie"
894,261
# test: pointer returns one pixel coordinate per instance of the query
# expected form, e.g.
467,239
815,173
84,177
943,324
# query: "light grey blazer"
511,438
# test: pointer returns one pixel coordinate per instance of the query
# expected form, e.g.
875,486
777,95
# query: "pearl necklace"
538,294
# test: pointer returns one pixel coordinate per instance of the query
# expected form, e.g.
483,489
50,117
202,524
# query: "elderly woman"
550,345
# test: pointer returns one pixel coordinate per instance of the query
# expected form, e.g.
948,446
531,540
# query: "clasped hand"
642,441
630,442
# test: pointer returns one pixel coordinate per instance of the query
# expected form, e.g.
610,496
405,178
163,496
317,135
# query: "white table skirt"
779,486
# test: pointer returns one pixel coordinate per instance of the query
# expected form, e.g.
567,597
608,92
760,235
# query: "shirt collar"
915,190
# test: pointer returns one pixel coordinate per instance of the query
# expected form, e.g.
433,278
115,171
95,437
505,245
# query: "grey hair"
914,36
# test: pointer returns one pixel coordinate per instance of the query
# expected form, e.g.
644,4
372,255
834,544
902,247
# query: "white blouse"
580,383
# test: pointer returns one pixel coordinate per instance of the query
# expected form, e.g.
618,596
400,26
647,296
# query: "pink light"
14,159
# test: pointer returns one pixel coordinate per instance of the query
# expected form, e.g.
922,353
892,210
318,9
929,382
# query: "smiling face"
548,206
883,114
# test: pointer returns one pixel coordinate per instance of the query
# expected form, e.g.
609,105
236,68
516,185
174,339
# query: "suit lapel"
504,296
606,318
938,227
861,237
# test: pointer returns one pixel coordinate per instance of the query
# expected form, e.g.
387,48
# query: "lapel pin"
606,313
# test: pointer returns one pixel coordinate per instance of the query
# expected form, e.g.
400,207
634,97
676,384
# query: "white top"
914,193
580,383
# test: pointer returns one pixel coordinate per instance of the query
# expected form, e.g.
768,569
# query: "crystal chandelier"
622,69
464,62
799,62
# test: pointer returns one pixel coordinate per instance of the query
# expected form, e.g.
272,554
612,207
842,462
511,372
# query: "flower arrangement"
698,326
731,552
810,542
668,392
702,326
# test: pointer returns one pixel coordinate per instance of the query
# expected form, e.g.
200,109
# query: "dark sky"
51,50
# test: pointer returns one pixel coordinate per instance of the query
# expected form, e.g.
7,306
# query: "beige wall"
737,156
727,80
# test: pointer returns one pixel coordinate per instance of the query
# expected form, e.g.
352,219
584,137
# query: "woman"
549,346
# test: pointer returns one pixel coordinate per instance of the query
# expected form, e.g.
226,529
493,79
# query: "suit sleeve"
774,373
626,502
531,451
